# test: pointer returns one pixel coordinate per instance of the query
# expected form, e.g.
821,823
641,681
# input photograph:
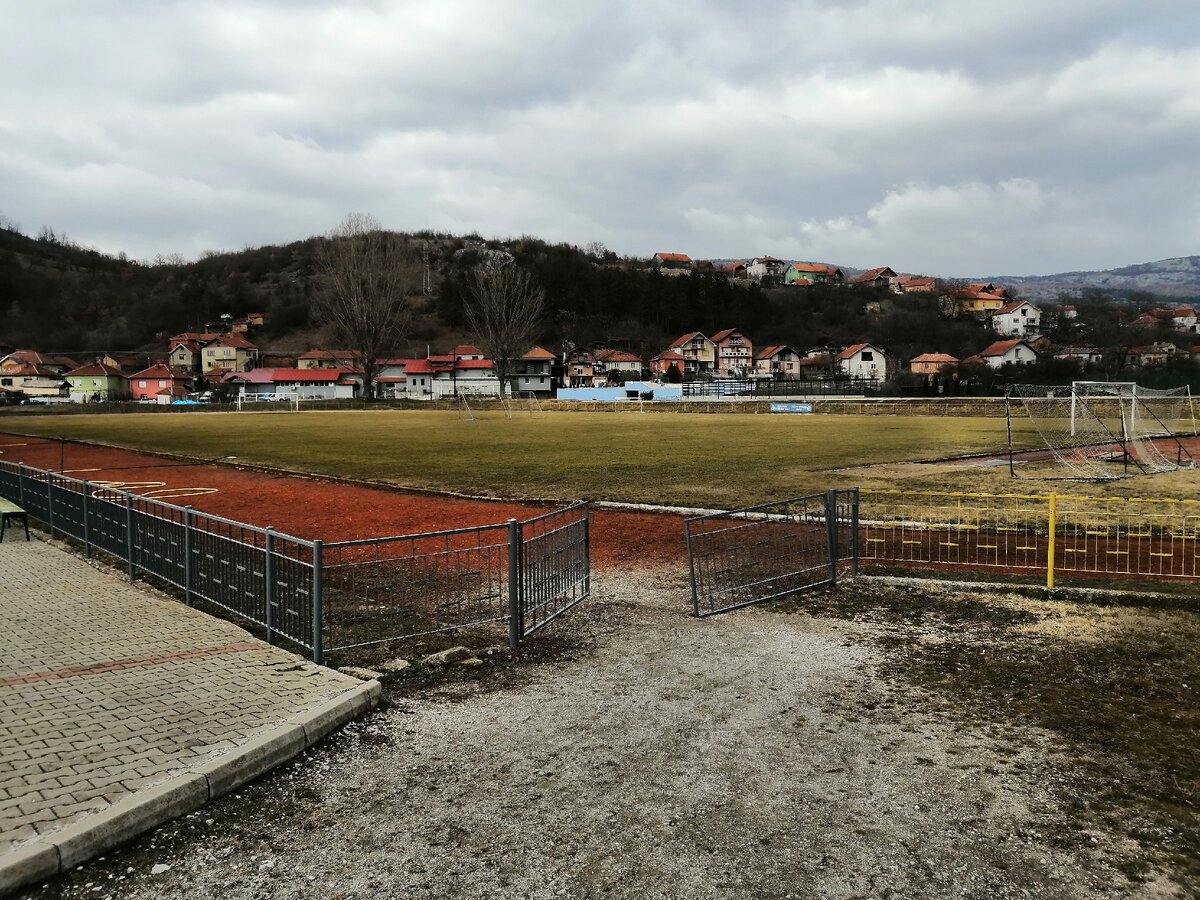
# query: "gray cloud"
949,137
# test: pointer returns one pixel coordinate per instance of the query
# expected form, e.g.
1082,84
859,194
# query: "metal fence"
1053,535
754,388
262,576
768,551
326,597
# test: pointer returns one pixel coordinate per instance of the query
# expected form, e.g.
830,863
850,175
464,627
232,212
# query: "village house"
1016,351
160,383
619,361
581,368
734,352
765,267
327,359
49,364
184,350
699,353
533,372
1156,354
930,364
228,353
982,298
1017,319
1085,356
912,284
804,273
863,361
33,380
97,382
736,270
879,277
306,384
778,360
671,261
662,363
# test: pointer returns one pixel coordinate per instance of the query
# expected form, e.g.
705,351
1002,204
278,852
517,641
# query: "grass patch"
664,458
1119,685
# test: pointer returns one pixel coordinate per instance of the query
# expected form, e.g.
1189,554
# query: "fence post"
87,526
187,555
129,532
587,549
831,534
269,584
687,537
1053,522
515,625
855,498
318,635
50,500
21,484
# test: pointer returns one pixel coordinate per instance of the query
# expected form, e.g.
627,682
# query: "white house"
307,384
1016,351
863,361
1083,355
1017,319
763,266
533,372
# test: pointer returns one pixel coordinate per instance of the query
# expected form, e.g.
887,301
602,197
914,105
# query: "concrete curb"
62,850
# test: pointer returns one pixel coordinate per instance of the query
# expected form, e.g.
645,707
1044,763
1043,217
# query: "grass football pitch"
719,460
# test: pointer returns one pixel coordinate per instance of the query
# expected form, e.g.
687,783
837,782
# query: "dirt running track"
317,509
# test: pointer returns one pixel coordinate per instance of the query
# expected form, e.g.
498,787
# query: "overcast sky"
961,137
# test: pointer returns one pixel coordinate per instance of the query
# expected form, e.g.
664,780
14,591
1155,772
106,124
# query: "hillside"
1176,277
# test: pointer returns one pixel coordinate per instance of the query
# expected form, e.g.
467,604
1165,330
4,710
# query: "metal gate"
768,551
549,569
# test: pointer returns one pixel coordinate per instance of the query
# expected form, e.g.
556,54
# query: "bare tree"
503,312
365,276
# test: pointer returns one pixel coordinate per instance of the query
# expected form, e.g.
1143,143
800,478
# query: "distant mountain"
1177,277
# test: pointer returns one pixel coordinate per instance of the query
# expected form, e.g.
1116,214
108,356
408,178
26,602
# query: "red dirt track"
317,509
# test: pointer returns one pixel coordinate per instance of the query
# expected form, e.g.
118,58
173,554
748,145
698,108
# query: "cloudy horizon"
948,138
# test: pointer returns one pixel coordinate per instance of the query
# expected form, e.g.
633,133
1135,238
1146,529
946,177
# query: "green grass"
662,457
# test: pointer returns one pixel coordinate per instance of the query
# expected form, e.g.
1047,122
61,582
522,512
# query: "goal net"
281,401
1102,430
527,403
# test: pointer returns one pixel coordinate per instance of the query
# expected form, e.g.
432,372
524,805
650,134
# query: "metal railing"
262,576
326,597
1053,535
764,552
753,388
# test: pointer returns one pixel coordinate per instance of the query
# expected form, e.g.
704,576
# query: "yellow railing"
1057,534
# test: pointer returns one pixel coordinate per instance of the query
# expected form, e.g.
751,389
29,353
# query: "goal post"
1107,429
280,401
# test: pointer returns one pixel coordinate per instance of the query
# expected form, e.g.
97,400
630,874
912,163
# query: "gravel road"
753,755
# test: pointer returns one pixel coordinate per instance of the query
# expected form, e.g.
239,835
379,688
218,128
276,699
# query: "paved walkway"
112,697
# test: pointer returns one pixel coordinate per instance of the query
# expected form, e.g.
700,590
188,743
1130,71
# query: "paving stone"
107,689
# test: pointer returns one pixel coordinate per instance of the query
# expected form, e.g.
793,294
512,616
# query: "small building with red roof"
671,260
806,273
778,360
662,363
97,382
699,352
1016,351
931,363
879,277
1018,318
150,383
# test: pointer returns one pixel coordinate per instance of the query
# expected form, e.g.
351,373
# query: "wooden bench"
10,510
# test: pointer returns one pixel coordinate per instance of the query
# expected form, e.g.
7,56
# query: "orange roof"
162,370
539,353
851,350
873,274
721,335
617,356
935,357
98,369
999,348
687,337
232,340
669,354
1011,307
673,257
467,350
768,352
815,267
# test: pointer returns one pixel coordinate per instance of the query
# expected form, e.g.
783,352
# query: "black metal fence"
262,576
326,597
768,551
759,388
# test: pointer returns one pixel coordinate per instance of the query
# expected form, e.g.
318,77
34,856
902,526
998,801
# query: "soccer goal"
464,406
527,403
1100,430
281,401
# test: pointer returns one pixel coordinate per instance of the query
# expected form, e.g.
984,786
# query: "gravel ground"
754,755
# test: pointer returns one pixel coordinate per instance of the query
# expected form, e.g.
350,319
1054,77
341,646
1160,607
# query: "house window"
162,384
141,384
867,356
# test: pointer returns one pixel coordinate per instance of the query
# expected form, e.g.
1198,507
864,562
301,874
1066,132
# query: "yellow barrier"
1058,534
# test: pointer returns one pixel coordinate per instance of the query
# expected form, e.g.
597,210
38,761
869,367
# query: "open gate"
772,550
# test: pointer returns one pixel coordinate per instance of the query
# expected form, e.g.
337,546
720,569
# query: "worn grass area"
664,457
1117,684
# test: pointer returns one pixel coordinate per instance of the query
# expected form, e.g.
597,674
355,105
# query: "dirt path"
756,755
